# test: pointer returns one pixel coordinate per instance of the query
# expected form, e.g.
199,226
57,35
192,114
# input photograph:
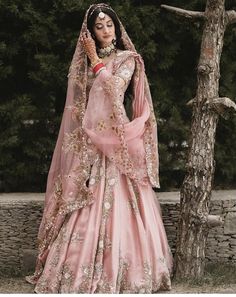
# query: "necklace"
106,51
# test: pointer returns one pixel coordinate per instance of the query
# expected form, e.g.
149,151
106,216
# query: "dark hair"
92,15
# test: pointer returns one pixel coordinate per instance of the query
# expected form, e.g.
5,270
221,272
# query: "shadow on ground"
218,278
19,285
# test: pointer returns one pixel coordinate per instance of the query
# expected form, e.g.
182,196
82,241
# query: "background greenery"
37,41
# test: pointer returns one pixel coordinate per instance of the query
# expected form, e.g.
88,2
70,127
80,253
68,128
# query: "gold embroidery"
101,125
151,157
75,110
95,269
108,243
72,141
133,205
43,286
103,240
76,237
67,279
134,201
87,275
122,279
56,256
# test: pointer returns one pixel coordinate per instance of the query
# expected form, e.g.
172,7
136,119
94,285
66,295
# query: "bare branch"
206,219
214,221
231,16
222,105
186,13
191,102
225,102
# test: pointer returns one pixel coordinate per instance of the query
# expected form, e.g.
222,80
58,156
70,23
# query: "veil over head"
75,153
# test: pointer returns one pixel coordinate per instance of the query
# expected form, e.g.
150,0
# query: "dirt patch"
220,289
19,285
15,285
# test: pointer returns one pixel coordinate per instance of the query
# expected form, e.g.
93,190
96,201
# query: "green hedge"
37,41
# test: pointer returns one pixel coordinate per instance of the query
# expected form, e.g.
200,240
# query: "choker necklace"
106,51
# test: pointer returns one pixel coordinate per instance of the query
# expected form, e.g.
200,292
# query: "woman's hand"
90,47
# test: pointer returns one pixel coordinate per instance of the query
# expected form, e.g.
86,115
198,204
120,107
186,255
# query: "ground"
18,285
218,279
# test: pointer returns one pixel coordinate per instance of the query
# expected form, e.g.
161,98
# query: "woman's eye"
110,25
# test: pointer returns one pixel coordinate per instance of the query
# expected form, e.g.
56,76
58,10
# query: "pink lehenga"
102,230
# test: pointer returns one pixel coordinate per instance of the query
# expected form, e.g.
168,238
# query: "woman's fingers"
88,44
86,35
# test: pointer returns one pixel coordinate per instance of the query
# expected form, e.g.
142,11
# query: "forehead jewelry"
101,15
100,8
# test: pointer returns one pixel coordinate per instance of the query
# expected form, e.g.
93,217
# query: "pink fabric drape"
103,164
120,141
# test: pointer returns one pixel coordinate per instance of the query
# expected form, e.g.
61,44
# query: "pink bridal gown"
118,243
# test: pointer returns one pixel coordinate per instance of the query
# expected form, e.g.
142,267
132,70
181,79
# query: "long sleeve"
107,124
115,86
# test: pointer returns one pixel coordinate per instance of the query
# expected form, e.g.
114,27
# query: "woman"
101,230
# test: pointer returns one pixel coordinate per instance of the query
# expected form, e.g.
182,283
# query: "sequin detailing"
74,188
116,86
72,141
151,152
101,125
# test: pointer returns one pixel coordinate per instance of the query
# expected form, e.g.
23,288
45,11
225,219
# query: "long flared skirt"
115,245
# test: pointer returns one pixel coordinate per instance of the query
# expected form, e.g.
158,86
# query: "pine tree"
38,39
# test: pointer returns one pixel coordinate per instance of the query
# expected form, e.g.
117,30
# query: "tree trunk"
195,194
196,189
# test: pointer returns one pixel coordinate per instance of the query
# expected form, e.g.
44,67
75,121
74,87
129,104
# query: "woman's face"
104,30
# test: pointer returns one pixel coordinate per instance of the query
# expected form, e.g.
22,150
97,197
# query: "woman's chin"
106,43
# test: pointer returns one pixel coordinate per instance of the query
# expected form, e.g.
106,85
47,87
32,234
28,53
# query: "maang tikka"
101,15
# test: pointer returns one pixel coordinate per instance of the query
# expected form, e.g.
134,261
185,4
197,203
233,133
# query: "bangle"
97,67
96,74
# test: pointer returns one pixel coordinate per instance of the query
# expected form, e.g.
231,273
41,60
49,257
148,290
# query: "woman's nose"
105,29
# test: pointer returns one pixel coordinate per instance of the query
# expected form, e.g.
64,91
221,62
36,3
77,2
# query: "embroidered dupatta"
78,141
105,120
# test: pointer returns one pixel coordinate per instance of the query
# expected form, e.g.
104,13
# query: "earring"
114,41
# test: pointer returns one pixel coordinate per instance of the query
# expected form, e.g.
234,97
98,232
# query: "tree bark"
195,194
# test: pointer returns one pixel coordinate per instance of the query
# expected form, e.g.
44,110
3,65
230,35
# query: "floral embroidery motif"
103,241
72,141
76,237
151,158
67,278
116,86
122,274
84,178
87,275
101,125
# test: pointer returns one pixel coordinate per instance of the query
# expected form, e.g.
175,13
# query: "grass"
216,274
218,278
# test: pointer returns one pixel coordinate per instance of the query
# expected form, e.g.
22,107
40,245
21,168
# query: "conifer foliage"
37,41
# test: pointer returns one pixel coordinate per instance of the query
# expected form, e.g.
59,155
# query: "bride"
102,230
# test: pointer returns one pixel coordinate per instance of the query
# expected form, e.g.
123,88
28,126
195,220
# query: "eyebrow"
106,22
